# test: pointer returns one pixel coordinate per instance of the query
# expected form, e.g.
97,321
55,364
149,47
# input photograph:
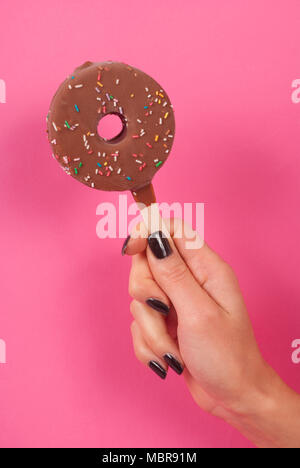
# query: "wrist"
259,395
268,412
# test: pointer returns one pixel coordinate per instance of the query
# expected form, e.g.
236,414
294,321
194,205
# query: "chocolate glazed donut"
130,160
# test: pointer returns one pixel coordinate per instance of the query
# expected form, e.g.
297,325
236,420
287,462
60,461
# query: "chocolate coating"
131,159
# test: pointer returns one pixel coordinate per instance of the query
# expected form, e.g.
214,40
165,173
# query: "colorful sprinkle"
106,102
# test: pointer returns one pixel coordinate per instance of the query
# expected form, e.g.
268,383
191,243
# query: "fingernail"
158,369
124,247
159,245
173,363
158,305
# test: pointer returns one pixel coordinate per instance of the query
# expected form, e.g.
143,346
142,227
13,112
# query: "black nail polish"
159,245
157,305
124,247
158,369
173,363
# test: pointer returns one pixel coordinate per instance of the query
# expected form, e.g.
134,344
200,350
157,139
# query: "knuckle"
157,342
134,289
226,271
176,273
139,354
133,308
137,347
133,327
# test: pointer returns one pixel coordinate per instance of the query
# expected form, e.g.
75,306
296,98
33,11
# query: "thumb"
176,279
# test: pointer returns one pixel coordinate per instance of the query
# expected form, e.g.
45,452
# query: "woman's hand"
189,314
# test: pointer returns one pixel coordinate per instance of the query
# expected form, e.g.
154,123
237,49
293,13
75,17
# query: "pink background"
71,378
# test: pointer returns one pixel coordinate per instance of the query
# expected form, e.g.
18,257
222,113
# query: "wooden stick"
146,201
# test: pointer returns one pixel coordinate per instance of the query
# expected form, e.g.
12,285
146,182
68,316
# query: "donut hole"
110,126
